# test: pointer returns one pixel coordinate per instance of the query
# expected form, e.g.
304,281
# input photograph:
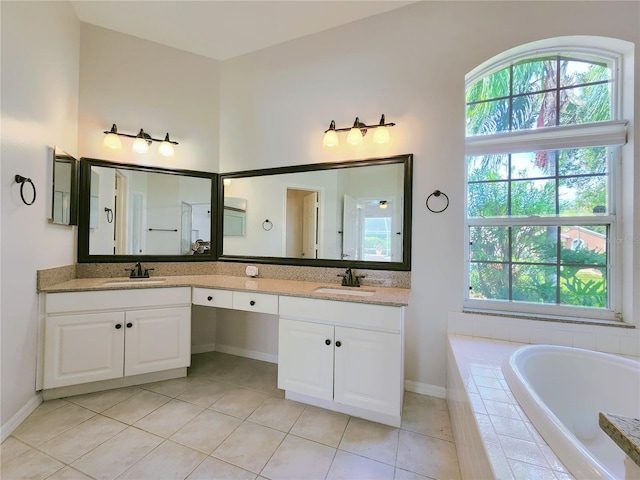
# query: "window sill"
550,318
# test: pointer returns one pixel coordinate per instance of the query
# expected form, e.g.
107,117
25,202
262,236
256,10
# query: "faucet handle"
147,270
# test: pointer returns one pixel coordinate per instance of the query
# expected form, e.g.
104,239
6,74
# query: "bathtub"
562,389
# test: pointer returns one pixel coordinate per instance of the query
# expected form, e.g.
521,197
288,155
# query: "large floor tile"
277,413
117,454
427,456
82,438
214,469
250,446
12,448
321,426
407,475
240,402
372,440
170,388
100,401
68,473
40,427
169,418
298,458
207,431
204,391
169,461
31,465
348,466
135,407
419,417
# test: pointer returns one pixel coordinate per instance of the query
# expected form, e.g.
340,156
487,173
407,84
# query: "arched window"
543,129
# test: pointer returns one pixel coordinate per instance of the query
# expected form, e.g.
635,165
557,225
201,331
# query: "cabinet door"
305,361
83,348
368,368
158,339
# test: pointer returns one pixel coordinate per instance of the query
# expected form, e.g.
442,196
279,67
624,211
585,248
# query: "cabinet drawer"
211,297
255,302
116,299
362,315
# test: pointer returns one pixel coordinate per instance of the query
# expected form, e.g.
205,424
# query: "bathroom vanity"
341,349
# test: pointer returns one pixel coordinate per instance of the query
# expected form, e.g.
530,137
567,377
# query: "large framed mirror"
64,199
348,214
130,212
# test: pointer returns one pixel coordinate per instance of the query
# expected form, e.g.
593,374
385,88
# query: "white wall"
40,65
409,64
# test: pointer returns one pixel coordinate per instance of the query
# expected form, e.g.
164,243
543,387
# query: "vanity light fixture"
383,204
357,132
141,143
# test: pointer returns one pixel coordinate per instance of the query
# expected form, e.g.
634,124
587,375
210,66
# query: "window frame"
611,134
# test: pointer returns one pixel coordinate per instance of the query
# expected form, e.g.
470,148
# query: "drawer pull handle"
118,326
252,303
129,325
209,298
327,342
338,343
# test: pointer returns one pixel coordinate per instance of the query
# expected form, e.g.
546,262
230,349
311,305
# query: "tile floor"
225,420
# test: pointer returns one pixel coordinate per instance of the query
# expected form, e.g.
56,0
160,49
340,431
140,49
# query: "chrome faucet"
137,272
349,279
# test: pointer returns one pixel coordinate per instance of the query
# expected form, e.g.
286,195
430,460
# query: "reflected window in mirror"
64,201
335,214
148,213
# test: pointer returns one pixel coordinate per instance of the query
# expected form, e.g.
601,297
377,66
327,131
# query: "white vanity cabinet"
100,335
343,355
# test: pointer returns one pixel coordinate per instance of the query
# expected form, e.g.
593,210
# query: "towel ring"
109,214
22,180
267,225
437,193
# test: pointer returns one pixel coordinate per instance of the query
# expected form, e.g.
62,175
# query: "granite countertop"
625,431
293,288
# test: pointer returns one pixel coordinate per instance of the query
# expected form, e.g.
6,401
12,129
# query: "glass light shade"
330,139
140,145
111,140
383,204
166,149
381,135
226,182
354,137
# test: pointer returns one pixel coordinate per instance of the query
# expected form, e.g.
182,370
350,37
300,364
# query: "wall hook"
267,225
109,214
22,180
437,193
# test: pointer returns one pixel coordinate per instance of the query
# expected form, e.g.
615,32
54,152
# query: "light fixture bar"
361,126
114,130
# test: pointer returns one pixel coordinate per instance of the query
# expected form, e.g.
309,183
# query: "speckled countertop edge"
294,288
624,431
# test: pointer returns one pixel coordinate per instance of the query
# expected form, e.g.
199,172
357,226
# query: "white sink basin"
137,281
345,291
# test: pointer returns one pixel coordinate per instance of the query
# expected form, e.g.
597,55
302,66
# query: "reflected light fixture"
141,143
357,132
111,139
383,204
226,182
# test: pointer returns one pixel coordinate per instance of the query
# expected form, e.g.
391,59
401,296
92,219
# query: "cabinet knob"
338,343
327,342
118,326
252,303
129,325
209,298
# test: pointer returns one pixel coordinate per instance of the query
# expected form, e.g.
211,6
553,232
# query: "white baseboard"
241,352
204,348
425,389
8,428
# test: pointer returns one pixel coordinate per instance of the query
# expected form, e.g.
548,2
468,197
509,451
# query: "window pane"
533,164
489,244
487,199
534,283
533,111
583,195
534,76
488,117
492,86
488,167
578,72
585,287
489,281
533,197
585,104
576,161
584,245
534,244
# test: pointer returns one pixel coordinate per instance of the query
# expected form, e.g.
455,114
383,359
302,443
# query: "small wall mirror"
64,202
132,212
355,213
